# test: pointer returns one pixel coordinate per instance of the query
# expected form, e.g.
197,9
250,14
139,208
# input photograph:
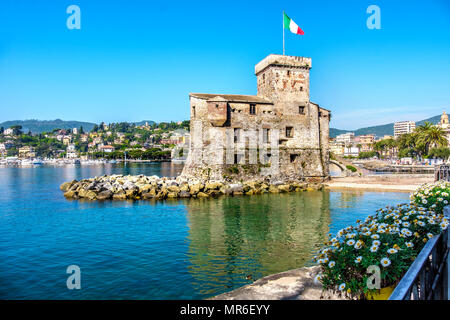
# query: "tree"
431,136
17,130
440,153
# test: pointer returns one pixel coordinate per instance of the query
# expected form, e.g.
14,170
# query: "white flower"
424,201
374,249
358,259
376,243
375,236
332,264
430,235
385,262
358,244
342,286
351,242
405,224
409,244
392,250
318,278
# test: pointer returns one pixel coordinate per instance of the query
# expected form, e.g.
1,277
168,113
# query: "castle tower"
444,119
284,80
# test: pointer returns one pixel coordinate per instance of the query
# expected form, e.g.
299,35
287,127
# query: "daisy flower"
385,262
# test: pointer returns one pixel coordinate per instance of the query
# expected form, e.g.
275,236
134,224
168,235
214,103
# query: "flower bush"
390,239
434,196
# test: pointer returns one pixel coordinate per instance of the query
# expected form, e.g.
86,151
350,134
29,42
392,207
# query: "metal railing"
427,277
442,172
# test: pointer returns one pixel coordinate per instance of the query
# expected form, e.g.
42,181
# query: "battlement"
282,61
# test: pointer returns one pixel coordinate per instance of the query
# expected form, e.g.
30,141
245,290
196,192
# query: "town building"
288,131
71,151
27,152
8,132
337,148
403,127
346,138
366,142
107,148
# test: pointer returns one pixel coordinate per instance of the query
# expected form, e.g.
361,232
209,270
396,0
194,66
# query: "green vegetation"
351,168
419,144
368,154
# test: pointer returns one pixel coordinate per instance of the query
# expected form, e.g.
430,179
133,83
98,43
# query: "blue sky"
135,60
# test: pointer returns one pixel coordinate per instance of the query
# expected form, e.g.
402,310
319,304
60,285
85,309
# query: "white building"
8,132
403,127
71,152
346,138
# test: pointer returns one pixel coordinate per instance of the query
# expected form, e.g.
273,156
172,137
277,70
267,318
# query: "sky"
136,60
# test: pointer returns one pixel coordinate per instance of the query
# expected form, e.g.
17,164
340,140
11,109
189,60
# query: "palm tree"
431,136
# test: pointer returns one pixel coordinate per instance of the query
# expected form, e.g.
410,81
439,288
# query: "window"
301,88
193,111
265,135
252,109
288,73
289,132
217,106
237,134
238,158
293,157
301,110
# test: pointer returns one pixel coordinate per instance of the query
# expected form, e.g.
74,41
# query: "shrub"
434,196
391,239
368,154
351,168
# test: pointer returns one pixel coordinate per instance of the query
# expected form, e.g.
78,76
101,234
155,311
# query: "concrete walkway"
297,284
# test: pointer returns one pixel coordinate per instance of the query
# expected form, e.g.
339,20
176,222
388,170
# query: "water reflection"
235,239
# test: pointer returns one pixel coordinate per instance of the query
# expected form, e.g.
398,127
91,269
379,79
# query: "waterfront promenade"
385,182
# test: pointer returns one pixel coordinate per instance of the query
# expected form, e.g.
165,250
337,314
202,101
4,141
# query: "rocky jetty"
120,187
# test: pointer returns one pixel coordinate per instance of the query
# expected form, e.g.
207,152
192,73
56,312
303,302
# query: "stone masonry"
278,134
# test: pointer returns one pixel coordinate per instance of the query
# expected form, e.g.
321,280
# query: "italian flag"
291,25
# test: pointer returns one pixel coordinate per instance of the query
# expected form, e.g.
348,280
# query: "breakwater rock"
120,187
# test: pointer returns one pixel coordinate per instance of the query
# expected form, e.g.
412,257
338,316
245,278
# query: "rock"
173,189
195,188
273,189
172,195
70,194
184,194
213,186
283,188
105,195
66,185
120,196
91,195
202,195
148,195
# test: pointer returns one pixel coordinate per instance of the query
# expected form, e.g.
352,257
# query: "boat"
38,161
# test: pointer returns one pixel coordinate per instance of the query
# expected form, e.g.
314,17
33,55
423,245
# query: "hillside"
381,130
38,126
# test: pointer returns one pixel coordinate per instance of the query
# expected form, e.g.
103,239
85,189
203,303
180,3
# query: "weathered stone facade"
242,137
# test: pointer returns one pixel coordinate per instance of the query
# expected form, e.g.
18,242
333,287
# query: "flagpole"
283,32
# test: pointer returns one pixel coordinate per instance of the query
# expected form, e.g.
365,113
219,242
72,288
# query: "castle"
278,134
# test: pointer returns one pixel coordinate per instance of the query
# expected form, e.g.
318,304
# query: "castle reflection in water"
234,240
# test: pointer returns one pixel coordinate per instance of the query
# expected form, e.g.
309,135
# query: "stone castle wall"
261,123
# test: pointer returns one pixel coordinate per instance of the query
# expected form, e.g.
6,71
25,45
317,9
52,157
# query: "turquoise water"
179,249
